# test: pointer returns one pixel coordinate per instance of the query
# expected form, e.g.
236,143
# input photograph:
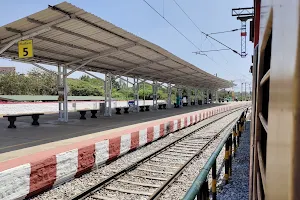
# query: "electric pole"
250,92
242,91
244,14
245,91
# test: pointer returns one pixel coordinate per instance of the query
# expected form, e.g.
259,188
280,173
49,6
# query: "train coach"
275,139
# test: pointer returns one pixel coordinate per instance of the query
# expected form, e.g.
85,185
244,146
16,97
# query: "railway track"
149,177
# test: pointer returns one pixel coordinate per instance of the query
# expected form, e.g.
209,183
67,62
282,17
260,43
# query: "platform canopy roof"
66,35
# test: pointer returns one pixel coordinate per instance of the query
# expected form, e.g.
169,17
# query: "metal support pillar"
216,96
136,94
65,104
208,92
196,97
127,88
189,94
169,95
144,102
154,89
60,100
179,91
107,91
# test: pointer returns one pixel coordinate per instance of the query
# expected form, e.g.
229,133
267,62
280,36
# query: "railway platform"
51,130
94,142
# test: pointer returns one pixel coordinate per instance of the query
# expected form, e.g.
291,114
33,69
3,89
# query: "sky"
137,17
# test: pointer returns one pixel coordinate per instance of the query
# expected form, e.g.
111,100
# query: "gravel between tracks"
80,184
178,189
237,189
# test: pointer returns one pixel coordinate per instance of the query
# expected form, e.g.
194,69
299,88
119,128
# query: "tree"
10,84
44,83
84,88
84,78
115,83
39,82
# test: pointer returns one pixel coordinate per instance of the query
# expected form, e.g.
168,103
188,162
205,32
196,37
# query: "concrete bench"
126,110
118,110
162,106
142,108
83,113
147,108
13,118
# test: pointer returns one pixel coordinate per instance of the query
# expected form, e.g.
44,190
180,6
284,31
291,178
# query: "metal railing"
200,187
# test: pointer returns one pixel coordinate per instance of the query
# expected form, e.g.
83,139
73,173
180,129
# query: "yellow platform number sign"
25,49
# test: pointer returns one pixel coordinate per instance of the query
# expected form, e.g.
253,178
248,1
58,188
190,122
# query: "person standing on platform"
177,101
181,102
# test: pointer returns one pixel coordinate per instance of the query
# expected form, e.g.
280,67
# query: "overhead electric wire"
233,30
189,39
173,26
211,50
207,35
179,32
214,47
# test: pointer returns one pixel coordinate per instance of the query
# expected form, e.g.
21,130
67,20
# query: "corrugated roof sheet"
79,35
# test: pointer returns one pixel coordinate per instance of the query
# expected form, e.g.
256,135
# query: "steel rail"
104,182
202,176
168,183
